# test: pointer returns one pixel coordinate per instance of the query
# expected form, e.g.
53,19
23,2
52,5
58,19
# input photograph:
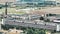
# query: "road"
44,25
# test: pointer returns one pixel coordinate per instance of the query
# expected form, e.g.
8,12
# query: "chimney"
6,8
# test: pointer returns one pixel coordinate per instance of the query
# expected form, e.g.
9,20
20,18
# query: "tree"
47,20
0,7
52,14
41,18
35,31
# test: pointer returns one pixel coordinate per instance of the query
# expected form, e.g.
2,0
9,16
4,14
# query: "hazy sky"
48,0
45,0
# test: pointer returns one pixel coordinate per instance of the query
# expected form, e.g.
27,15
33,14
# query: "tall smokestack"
6,8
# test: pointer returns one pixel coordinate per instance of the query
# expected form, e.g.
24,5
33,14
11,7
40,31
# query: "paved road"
44,26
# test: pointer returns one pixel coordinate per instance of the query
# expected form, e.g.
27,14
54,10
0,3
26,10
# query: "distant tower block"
0,26
2,21
58,28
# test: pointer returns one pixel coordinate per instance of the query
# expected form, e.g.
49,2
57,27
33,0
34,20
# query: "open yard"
11,11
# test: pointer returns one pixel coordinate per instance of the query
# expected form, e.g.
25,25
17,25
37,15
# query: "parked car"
56,20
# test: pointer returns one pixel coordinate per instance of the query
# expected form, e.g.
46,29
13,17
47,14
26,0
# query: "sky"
48,0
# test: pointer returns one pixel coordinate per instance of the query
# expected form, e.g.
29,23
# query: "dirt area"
54,10
11,31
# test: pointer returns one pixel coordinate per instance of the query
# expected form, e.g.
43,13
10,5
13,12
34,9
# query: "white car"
56,20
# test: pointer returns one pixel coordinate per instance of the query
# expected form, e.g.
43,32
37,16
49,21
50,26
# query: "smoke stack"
6,8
